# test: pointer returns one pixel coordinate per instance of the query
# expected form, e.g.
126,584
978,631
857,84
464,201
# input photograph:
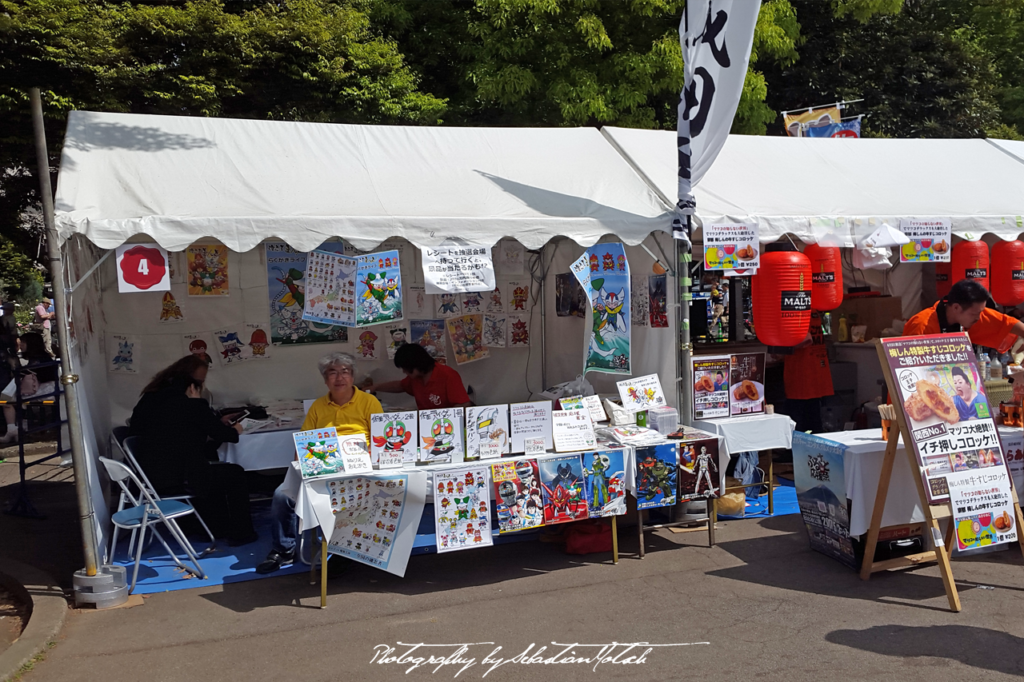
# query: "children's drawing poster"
495,330
656,475
419,303
441,436
603,272
207,270
376,517
561,482
604,475
369,343
199,343
641,393
170,311
517,495
531,421
231,348
330,294
511,257
430,335
318,452
495,302
123,351
639,305
393,439
379,288
466,334
258,341
518,331
473,302
657,300
398,336
517,295
447,305
286,289
462,508
487,432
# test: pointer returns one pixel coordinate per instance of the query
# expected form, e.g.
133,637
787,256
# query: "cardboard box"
876,312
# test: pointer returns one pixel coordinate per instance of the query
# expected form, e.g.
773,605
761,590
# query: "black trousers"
806,414
222,497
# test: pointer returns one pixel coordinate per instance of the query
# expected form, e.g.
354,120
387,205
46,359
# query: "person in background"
43,315
348,410
178,435
964,309
36,374
434,385
808,378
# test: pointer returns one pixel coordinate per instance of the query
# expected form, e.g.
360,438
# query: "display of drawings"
353,292
561,482
603,272
441,435
517,495
462,509
319,452
604,474
487,432
286,287
207,270
233,348
393,440
656,475
466,334
170,311
494,331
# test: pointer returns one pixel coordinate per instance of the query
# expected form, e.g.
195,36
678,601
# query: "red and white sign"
142,267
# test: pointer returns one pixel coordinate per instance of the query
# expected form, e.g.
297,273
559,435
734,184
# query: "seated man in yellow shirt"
347,409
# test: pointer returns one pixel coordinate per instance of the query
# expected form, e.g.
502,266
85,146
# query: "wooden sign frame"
933,513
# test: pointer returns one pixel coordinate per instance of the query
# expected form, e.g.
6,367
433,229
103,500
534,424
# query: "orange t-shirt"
807,374
990,330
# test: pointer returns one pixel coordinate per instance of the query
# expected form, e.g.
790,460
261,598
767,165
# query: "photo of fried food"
704,384
941,247
749,389
938,401
1003,522
738,393
916,409
747,253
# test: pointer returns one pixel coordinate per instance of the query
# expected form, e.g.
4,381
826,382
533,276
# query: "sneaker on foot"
275,561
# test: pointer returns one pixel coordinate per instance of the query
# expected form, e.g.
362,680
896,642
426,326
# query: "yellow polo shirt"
349,419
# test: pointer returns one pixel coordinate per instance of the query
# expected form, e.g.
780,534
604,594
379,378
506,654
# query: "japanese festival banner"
798,124
207,270
841,129
376,517
286,288
393,439
353,292
943,397
641,393
462,508
818,474
699,473
711,386
656,475
930,240
603,272
142,267
457,269
731,246
561,482
604,475
517,496
466,334
746,384
983,512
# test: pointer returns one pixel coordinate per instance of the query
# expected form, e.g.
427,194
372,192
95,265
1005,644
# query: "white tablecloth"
743,434
258,451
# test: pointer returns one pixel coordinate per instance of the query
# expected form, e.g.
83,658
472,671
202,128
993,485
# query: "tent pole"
68,379
684,384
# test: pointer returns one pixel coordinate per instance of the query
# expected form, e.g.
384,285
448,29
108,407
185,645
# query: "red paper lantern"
826,276
781,292
1008,273
943,278
970,261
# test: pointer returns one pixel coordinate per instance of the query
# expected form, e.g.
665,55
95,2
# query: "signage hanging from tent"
457,269
930,240
142,267
729,246
603,271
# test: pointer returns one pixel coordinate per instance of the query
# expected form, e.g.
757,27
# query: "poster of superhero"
462,509
286,289
466,335
393,439
604,480
818,474
487,432
441,436
517,496
207,270
700,476
603,272
562,489
430,335
943,398
656,475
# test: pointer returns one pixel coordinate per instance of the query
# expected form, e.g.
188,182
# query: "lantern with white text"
970,261
1007,279
781,293
826,276
943,278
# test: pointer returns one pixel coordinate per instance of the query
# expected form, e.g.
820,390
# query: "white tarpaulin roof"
809,187
178,179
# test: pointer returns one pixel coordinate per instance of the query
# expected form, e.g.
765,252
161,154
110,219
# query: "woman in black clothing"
174,426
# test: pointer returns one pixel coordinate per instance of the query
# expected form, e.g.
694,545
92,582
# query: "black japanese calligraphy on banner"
942,395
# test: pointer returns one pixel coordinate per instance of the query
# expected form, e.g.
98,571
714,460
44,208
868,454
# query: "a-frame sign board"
927,358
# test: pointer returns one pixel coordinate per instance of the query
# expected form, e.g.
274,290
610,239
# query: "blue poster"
286,287
603,272
604,473
656,475
821,493
843,129
379,289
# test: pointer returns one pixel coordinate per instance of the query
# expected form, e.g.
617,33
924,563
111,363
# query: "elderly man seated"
347,409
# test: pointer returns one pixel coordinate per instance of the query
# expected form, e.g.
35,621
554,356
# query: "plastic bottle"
844,334
983,365
995,368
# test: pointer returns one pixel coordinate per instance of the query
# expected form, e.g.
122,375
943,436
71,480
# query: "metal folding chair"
145,514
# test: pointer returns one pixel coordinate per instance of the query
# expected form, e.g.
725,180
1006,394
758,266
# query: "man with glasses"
347,409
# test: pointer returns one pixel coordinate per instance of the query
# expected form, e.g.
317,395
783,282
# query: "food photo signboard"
746,384
941,393
711,387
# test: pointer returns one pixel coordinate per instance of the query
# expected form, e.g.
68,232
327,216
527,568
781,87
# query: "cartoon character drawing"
292,326
608,262
621,262
258,342
367,344
392,289
232,347
197,347
519,296
520,333
171,311
494,305
593,262
471,303
448,305
123,359
702,463
494,332
462,507
296,294
396,437
442,439
613,303
398,339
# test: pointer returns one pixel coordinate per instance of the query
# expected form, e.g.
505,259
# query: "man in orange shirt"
963,309
808,378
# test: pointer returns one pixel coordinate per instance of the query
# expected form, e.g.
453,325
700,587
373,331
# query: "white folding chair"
145,514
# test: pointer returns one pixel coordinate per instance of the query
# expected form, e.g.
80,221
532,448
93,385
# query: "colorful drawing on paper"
393,439
699,476
319,452
231,349
368,342
656,475
379,288
518,296
495,302
657,299
441,435
331,291
466,334
562,489
639,311
604,474
517,495
448,305
641,393
200,343
372,515
603,271
487,432
462,509
419,303
430,335
398,336
123,354
286,288
170,311
473,302
494,331
518,331
207,270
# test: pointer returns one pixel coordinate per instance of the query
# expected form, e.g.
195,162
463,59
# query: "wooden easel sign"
950,439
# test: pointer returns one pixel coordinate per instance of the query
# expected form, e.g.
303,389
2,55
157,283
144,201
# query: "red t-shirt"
443,389
807,374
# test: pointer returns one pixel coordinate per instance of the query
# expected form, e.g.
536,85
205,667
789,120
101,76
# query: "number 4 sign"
142,267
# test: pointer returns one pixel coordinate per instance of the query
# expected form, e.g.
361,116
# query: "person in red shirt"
964,309
808,378
432,384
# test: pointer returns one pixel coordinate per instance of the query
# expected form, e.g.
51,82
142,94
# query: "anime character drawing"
367,344
494,331
396,437
448,306
494,302
398,339
656,478
563,496
123,361
258,343
296,294
471,303
703,461
520,333
232,347
442,438
170,310
291,326
197,347
519,296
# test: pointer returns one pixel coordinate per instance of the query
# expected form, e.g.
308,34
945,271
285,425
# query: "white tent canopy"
811,187
178,179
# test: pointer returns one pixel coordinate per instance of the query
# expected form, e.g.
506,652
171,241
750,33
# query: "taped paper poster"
398,336
420,303
448,305
123,351
369,344
142,267
495,301
517,294
207,270
495,331
640,308
457,269
286,289
430,335
466,334
511,256
170,311
518,331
